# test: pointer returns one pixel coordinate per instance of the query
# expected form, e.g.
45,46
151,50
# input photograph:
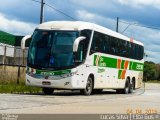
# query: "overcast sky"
22,16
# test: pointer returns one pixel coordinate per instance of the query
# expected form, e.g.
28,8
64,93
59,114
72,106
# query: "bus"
77,55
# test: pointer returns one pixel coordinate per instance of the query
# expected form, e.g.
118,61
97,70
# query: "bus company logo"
139,67
47,73
100,61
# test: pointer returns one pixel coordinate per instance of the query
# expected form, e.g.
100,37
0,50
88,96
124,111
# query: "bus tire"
131,87
119,91
134,84
48,91
89,87
127,87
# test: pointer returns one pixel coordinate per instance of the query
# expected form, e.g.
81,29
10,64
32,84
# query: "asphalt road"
66,102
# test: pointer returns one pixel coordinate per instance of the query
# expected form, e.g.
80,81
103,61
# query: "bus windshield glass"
51,49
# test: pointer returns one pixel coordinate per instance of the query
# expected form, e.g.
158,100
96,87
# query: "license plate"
46,83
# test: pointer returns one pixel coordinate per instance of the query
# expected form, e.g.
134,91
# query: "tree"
157,71
149,71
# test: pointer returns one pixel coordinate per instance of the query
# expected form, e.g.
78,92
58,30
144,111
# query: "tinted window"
52,49
115,46
106,45
80,55
97,43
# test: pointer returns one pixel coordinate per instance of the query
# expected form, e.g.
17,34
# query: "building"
10,50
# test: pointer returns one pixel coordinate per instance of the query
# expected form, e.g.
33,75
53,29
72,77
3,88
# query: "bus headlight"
69,74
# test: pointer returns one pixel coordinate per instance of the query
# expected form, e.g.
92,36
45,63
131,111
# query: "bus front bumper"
65,83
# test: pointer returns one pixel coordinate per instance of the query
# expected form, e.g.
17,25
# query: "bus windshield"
51,49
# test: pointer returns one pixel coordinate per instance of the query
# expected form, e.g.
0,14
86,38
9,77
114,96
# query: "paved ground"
73,102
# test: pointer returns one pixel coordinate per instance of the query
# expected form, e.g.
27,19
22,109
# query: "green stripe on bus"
119,74
130,65
122,64
113,63
136,66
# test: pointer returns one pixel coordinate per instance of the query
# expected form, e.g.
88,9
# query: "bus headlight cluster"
69,74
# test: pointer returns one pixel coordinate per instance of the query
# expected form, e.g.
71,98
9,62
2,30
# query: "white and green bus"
83,56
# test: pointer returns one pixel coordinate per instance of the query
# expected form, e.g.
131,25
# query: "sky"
20,17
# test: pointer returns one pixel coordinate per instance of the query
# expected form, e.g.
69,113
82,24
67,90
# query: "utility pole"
41,14
117,24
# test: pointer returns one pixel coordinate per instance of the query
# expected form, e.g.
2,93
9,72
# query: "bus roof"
80,25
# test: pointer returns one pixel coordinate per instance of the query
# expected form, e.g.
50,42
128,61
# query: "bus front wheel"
48,91
89,87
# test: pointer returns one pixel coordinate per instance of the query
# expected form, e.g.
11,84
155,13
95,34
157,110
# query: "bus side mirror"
23,41
76,43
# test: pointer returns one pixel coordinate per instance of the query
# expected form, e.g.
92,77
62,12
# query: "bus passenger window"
113,46
106,45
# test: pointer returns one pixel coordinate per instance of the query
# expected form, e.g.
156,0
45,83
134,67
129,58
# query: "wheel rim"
127,87
89,86
131,88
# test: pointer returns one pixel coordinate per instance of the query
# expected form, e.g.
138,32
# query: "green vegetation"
153,81
8,81
18,88
151,71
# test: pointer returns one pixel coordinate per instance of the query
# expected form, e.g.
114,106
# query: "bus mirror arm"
23,41
76,43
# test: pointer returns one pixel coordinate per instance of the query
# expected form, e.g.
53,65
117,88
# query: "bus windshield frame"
52,49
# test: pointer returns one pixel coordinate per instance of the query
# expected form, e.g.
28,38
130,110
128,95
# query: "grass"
9,74
153,81
20,88
8,81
